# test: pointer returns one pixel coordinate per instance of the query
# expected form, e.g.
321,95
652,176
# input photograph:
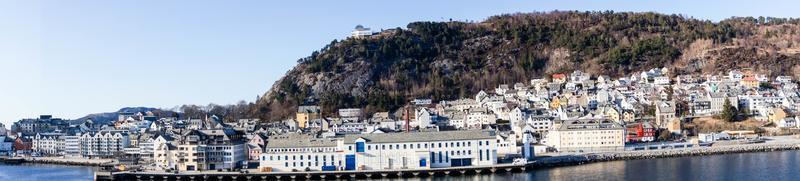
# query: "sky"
72,58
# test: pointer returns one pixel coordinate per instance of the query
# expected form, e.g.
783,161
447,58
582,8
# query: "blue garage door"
350,162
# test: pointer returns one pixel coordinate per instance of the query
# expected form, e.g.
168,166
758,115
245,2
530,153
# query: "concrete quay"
313,175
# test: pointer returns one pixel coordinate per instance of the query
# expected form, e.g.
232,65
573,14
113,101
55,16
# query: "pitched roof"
421,136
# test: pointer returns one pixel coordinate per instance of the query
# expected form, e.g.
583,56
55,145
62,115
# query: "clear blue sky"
71,58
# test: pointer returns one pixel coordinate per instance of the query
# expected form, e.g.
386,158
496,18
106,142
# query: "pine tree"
728,112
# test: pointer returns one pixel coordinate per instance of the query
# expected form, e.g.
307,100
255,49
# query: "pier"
313,175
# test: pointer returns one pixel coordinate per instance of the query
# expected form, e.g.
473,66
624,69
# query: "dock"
314,175
11,160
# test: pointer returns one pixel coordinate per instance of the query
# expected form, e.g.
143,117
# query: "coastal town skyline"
412,90
88,53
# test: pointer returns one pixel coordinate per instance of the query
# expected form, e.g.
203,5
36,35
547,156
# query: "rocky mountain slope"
449,60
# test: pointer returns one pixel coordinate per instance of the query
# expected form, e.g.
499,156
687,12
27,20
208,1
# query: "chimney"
407,119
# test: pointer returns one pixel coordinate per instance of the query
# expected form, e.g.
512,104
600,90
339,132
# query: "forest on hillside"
451,60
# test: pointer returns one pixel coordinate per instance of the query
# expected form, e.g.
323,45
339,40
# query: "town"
564,113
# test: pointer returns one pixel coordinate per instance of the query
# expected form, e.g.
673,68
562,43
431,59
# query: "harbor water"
781,165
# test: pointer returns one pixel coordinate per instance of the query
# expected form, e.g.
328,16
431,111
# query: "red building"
23,146
640,132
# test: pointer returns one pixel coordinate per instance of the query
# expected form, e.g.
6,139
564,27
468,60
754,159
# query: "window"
359,147
480,152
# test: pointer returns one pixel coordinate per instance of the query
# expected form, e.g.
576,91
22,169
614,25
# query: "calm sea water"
34,172
771,166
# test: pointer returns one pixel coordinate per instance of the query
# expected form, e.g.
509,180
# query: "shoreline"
579,159
539,163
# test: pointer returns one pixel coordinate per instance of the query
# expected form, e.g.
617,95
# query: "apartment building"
586,135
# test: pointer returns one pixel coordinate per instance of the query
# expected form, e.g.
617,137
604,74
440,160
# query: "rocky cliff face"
449,60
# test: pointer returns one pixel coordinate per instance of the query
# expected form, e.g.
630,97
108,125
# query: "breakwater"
57,161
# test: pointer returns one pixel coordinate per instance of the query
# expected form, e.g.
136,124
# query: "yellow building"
628,116
555,103
776,114
306,113
674,126
749,82
612,114
587,135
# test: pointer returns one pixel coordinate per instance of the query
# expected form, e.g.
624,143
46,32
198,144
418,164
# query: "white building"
48,143
72,145
6,145
289,152
661,80
413,150
423,118
540,124
3,131
783,79
103,143
350,113
360,32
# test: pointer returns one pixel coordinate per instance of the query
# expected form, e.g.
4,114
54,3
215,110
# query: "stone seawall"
633,155
68,161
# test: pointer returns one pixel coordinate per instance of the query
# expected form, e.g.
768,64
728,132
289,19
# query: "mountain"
450,60
108,117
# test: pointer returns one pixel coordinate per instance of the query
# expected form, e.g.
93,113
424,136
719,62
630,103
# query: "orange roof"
559,76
